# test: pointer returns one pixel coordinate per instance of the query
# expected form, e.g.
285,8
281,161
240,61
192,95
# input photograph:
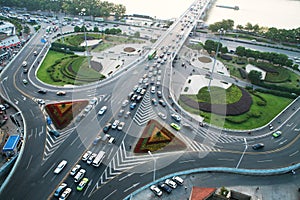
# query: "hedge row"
67,47
243,73
237,108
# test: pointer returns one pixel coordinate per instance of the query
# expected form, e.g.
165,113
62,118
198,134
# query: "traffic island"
157,138
63,113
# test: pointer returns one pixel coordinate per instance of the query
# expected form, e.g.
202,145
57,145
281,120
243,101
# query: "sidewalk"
281,187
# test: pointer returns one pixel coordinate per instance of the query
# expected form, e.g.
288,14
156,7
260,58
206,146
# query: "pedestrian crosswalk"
145,111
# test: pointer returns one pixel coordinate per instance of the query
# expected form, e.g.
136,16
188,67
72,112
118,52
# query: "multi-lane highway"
122,171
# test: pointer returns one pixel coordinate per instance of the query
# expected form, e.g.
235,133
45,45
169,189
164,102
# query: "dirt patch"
129,49
205,59
96,66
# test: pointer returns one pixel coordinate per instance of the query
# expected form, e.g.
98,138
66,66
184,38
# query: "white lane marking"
261,161
128,175
186,161
109,195
89,184
74,140
282,142
226,159
29,162
294,153
49,170
134,185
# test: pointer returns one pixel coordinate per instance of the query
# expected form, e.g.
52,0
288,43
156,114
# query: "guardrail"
256,172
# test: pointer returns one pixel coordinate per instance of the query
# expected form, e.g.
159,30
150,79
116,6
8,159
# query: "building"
10,41
7,28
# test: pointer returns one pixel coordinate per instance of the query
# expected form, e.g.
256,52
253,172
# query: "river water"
270,13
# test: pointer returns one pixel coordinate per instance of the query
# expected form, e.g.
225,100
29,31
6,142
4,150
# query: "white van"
153,89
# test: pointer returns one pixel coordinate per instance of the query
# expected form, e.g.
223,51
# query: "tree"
137,34
248,26
254,76
240,51
239,27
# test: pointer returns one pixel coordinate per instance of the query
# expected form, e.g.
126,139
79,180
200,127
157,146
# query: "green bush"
261,103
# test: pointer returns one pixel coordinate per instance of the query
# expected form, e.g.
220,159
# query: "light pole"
154,164
82,13
221,31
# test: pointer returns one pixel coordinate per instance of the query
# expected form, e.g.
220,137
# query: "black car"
162,102
55,133
165,187
106,127
42,91
258,146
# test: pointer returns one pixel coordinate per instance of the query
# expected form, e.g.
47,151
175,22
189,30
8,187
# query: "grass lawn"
248,120
50,59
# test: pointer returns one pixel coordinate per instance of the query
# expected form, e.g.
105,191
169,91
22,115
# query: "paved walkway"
281,187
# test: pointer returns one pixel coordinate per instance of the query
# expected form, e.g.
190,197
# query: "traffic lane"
126,183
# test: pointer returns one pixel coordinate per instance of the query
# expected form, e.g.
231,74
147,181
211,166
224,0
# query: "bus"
97,161
152,54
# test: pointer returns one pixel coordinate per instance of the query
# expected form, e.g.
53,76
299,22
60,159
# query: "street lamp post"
221,31
82,13
154,164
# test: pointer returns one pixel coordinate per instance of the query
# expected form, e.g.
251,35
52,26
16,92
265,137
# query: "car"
40,101
35,53
121,112
106,137
162,103
24,81
276,134
156,190
178,180
25,71
60,189
88,108
154,102
86,155
75,170
94,101
127,114
102,110
133,97
82,184
139,98
80,175
258,146
65,194
132,106
171,183
176,117
96,140
54,132
165,187
153,89
125,103
145,86
121,126
61,93
24,64
60,166
5,117
135,88
130,95
159,94
162,115
175,126
42,91
143,92
271,127
106,127
115,124
111,140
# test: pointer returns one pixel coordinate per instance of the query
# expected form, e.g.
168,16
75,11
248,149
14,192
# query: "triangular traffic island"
63,113
157,138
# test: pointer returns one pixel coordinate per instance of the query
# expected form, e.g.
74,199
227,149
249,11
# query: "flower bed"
156,138
63,113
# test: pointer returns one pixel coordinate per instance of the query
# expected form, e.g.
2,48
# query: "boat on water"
230,7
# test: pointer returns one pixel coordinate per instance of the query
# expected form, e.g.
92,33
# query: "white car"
91,158
178,180
65,194
125,103
121,126
60,167
115,124
75,170
156,190
86,155
171,183
88,108
79,175
162,115
102,110
24,63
